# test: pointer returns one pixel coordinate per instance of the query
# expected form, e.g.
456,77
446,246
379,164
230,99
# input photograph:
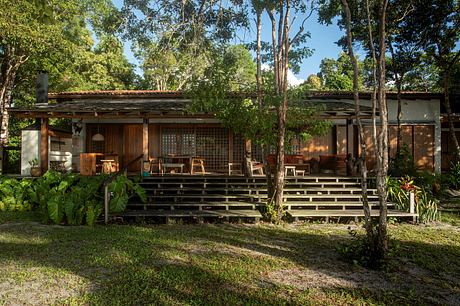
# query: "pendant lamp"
98,136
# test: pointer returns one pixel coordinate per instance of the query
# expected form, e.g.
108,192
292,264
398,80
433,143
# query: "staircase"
201,196
242,197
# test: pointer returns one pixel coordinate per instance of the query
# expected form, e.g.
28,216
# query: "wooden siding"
418,138
318,145
133,145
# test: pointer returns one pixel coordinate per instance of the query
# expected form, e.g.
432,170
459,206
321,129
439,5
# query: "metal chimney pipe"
42,87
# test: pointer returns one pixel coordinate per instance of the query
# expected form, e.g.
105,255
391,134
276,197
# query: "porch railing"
109,180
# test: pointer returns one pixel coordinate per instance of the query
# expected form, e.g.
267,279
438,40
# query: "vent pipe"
42,87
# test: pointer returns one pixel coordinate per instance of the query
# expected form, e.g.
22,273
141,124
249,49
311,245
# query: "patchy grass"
220,264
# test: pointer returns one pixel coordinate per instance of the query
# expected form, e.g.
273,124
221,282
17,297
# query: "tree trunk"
367,211
398,117
450,119
281,64
382,160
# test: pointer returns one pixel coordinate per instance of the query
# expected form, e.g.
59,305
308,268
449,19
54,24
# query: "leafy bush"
361,251
426,205
67,198
14,195
452,178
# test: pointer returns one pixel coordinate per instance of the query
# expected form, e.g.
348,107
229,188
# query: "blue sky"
323,41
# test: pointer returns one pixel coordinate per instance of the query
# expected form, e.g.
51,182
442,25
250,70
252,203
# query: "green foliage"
403,163
122,189
426,205
360,251
67,198
14,195
452,178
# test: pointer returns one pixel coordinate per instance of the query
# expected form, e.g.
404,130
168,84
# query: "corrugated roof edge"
180,94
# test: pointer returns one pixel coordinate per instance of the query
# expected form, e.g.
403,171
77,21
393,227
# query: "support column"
44,144
230,146
350,138
145,138
247,156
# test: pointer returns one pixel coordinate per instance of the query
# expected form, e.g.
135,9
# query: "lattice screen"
178,141
212,146
238,149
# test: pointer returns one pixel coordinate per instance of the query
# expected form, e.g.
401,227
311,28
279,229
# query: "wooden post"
412,205
145,139
106,203
230,146
248,156
44,149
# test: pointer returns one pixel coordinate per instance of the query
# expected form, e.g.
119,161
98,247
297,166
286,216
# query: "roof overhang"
155,104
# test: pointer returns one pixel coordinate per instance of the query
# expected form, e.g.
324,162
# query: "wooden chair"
257,168
197,162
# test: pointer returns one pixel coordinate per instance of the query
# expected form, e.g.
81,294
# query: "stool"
197,162
289,168
234,168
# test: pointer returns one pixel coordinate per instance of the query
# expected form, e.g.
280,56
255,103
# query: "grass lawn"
223,264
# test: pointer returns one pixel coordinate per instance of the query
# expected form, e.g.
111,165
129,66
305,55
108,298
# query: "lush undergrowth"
220,264
66,198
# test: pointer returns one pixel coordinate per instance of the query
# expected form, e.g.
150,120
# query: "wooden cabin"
122,126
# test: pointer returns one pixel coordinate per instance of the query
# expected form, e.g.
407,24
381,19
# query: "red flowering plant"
407,184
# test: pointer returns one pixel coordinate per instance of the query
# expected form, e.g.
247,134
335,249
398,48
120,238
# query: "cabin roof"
152,103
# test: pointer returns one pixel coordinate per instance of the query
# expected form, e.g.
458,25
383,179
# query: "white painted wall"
30,149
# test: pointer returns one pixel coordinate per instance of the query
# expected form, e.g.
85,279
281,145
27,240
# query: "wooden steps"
356,213
220,214
227,196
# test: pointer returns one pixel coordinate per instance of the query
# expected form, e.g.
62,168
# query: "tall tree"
367,20
435,24
356,75
38,31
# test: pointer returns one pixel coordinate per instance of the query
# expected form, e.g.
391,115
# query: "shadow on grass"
222,264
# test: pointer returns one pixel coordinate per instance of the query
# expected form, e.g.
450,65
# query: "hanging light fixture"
98,136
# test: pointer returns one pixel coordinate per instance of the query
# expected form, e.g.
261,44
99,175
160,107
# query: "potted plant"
35,169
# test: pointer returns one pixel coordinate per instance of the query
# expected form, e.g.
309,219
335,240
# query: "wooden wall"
122,139
319,145
418,138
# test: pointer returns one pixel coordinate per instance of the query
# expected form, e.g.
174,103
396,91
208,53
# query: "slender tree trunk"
398,118
450,119
367,211
398,82
382,160
264,148
275,53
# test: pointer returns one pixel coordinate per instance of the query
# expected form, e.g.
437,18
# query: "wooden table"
172,166
107,165
178,159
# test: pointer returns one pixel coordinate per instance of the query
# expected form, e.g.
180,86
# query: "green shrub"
426,205
452,178
14,195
